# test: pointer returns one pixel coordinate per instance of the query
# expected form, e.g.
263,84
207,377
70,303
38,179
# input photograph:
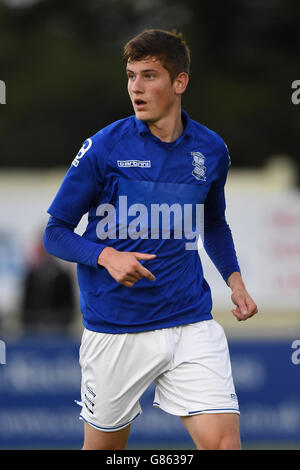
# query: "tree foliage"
65,78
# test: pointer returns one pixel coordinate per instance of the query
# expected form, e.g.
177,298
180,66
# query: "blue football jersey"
149,196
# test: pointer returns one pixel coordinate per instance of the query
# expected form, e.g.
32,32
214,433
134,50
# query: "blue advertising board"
267,377
40,379
38,385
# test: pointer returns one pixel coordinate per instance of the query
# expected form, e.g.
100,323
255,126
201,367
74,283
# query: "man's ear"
180,83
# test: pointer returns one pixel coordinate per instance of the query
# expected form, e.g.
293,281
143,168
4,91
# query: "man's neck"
168,129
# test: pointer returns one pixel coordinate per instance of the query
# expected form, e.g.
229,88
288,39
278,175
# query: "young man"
146,305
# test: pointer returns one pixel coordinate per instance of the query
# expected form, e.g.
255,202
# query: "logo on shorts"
199,171
233,396
89,399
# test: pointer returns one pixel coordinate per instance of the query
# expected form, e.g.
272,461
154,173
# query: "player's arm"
219,245
218,241
125,267
78,193
61,241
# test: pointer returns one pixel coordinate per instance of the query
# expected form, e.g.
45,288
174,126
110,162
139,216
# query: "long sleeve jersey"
148,196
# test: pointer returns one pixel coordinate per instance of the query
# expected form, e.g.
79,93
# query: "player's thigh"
116,370
100,440
219,431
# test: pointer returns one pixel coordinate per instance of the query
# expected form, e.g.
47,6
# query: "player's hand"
125,266
245,305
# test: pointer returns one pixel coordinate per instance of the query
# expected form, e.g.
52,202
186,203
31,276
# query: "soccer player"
147,309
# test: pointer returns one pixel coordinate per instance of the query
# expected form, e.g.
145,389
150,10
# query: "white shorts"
189,364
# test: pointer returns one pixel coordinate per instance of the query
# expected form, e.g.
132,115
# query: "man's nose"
137,85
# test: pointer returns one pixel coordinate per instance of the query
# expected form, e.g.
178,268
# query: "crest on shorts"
199,171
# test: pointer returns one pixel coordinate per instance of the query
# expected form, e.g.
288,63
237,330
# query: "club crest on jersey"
199,172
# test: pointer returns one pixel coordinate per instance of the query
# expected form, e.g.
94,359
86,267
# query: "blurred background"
61,62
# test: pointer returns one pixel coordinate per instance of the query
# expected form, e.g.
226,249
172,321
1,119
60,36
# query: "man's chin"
144,116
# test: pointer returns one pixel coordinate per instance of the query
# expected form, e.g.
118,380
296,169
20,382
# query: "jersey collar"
143,129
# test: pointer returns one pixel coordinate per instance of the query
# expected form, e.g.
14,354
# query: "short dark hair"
166,46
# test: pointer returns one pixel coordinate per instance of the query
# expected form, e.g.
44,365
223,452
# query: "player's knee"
229,443
226,442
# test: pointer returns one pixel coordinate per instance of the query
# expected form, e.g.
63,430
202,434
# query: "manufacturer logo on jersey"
85,147
199,171
134,163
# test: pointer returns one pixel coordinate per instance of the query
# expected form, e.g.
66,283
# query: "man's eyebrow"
142,71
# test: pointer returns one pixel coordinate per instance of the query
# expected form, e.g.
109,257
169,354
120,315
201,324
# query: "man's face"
152,93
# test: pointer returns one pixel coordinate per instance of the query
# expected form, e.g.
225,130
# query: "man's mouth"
139,104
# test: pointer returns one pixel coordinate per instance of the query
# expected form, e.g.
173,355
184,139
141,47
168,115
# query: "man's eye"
149,76
130,76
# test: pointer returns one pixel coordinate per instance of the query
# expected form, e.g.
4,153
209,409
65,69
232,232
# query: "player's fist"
245,306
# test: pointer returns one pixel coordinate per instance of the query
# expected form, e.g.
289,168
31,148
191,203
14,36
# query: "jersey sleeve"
61,241
81,185
218,240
